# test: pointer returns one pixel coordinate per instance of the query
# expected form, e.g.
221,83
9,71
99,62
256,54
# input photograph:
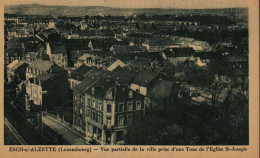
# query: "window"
88,113
131,94
80,111
129,119
109,108
138,106
99,106
109,94
100,118
94,103
109,122
129,106
121,120
120,107
93,115
89,102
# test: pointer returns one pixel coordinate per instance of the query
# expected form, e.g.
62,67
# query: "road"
65,132
27,131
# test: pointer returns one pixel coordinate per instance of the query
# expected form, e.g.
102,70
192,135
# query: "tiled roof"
45,65
15,64
119,92
58,48
84,85
44,77
127,48
145,77
79,73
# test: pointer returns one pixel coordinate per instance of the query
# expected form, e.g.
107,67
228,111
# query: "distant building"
57,54
124,49
200,46
158,45
16,70
144,81
178,55
12,54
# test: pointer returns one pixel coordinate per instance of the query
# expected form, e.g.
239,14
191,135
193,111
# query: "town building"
104,109
46,84
16,71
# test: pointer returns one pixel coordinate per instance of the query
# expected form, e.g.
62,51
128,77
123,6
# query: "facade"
57,54
16,70
178,55
46,84
78,75
105,109
144,80
158,45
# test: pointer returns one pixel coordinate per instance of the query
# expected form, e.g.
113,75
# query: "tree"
216,88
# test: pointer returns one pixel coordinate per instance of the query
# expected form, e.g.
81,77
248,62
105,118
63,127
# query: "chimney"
93,91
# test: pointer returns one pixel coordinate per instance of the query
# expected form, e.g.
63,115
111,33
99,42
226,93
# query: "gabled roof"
15,64
123,75
84,85
58,48
95,72
145,77
44,77
45,65
79,73
182,52
127,48
119,92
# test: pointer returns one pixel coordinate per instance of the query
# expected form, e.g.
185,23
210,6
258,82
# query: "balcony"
89,120
109,127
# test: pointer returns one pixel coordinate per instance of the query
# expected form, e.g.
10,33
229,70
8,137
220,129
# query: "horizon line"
244,7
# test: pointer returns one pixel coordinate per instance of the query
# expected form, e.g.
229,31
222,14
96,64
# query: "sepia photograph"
110,73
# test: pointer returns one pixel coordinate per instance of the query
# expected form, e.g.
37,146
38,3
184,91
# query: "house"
185,41
47,90
104,109
49,35
46,84
139,64
124,49
238,68
57,54
144,81
78,75
12,54
200,46
178,55
159,44
38,67
16,71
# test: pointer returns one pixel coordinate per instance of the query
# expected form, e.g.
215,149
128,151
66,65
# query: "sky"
184,4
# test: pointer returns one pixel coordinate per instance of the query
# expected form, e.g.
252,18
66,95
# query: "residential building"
104,109
16,71
77,75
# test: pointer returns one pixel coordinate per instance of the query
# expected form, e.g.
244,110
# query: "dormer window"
109,94
130,94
